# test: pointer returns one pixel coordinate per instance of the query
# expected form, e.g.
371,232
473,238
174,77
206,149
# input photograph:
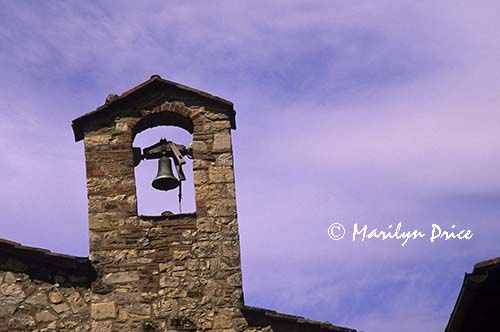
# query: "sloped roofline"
476,292
260,317
223,104
42,264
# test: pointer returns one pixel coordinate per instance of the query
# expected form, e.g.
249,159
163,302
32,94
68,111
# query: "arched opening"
150,201
162,119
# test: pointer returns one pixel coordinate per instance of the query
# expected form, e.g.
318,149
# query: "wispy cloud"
374,112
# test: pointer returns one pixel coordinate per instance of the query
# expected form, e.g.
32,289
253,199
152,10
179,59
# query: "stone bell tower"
165,273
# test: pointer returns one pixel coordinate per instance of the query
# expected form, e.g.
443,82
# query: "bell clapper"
180,197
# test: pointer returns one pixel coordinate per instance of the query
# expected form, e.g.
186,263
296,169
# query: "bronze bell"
165,180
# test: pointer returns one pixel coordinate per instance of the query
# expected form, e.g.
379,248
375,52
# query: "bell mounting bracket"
165,148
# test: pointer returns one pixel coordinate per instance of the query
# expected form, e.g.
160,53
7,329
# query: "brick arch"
167,114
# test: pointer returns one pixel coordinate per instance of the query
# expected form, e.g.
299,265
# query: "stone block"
45,316
199,146
222,141
11,295
102,326
104,310
77,302
168,281
216,116
10,278
222,322
21,322
219,174
221,208
37,299
121,277
139,311
203,249
200,176
224,159
61,307
55,297
164,307
208,225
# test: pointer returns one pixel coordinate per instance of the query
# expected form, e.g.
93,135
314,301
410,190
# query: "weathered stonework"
177,272
29,306
182,269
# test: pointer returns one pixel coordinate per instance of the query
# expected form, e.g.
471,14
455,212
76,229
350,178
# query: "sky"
360,112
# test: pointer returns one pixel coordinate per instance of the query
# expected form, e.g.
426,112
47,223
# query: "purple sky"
375,112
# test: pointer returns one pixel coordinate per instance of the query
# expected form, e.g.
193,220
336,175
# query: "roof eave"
78,124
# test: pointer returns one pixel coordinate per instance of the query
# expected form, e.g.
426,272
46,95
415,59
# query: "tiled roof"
477,304
155,83
45,265
258,317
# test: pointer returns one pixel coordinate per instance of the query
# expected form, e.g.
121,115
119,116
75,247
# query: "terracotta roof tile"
259,317
44,264
154,81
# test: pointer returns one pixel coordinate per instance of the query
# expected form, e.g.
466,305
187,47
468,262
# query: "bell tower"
164,273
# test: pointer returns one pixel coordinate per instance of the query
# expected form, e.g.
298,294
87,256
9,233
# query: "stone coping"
190,215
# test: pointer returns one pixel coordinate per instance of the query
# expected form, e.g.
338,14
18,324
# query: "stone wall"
34,305
177,273
175,285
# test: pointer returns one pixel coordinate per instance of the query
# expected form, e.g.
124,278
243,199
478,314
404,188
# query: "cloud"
372,112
